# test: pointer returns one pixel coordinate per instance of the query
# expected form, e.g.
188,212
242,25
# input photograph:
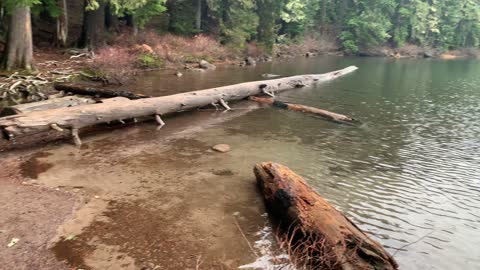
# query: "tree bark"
93,31
96,92
111,20
49,104
78,117
323,16
19,51
331,116
318,235
132,23
62,24
198,22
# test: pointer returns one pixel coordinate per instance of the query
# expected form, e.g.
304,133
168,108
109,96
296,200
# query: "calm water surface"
409,176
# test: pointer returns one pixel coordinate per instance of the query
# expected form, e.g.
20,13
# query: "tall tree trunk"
131,23
198,23
323,16
93,32
19,50
342,12
111,19
62,24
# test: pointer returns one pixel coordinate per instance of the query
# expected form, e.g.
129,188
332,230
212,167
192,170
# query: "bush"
115,64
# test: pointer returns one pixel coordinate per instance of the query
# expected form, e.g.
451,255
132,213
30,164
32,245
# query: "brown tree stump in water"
318,235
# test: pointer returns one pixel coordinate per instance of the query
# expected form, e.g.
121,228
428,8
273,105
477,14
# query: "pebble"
222,148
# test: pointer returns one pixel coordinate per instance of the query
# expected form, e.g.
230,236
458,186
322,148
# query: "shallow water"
409,175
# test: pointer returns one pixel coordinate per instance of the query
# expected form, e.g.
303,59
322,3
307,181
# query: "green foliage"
49,7
10,4
268,12
237,20
150,61
348,42
358,24
182,17
141,10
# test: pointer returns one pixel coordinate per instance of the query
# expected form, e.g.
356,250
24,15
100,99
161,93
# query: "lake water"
409,175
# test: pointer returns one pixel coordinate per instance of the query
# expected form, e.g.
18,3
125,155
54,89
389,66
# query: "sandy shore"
134,198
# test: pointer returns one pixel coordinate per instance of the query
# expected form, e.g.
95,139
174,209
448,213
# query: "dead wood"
55,103
86,90
340,118
74,118
320,235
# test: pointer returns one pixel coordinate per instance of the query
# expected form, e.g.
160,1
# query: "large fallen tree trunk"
317,234
78,117
87,90
340,118
54,103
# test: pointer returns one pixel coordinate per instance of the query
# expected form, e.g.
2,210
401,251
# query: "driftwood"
340,118
96,92
318,235
78,117
55,103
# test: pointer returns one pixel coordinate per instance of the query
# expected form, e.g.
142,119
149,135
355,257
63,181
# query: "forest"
354,26
239,134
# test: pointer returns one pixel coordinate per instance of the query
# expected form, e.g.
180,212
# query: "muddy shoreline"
159,203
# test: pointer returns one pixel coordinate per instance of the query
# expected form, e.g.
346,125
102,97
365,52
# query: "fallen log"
317,234
54,103
340,118
78,117
96,92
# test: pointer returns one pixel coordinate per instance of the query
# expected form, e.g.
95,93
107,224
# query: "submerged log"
54,103
78,117
340,118
319,235
96,92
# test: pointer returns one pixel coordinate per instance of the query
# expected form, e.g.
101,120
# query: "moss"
188,58
150,61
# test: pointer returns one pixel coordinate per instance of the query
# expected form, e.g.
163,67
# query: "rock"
249,61
222,172
197,70
178,74
429,54
206,65
310,54
222,148
270,75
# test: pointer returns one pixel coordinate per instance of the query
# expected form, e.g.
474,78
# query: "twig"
244,237
416,241
199,262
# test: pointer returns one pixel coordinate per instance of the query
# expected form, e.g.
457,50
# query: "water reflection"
410,175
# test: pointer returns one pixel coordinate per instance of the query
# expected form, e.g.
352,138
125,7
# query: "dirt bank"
31,214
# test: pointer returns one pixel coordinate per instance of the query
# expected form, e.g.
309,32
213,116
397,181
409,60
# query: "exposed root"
307,251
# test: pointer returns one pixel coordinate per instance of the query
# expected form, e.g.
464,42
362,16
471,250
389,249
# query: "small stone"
97,197
250,61
223,172
206,65
222,148
178,74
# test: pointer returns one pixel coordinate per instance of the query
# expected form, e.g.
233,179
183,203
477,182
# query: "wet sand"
135,198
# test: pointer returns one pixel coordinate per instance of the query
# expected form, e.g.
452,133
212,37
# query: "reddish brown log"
306,109
322,237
